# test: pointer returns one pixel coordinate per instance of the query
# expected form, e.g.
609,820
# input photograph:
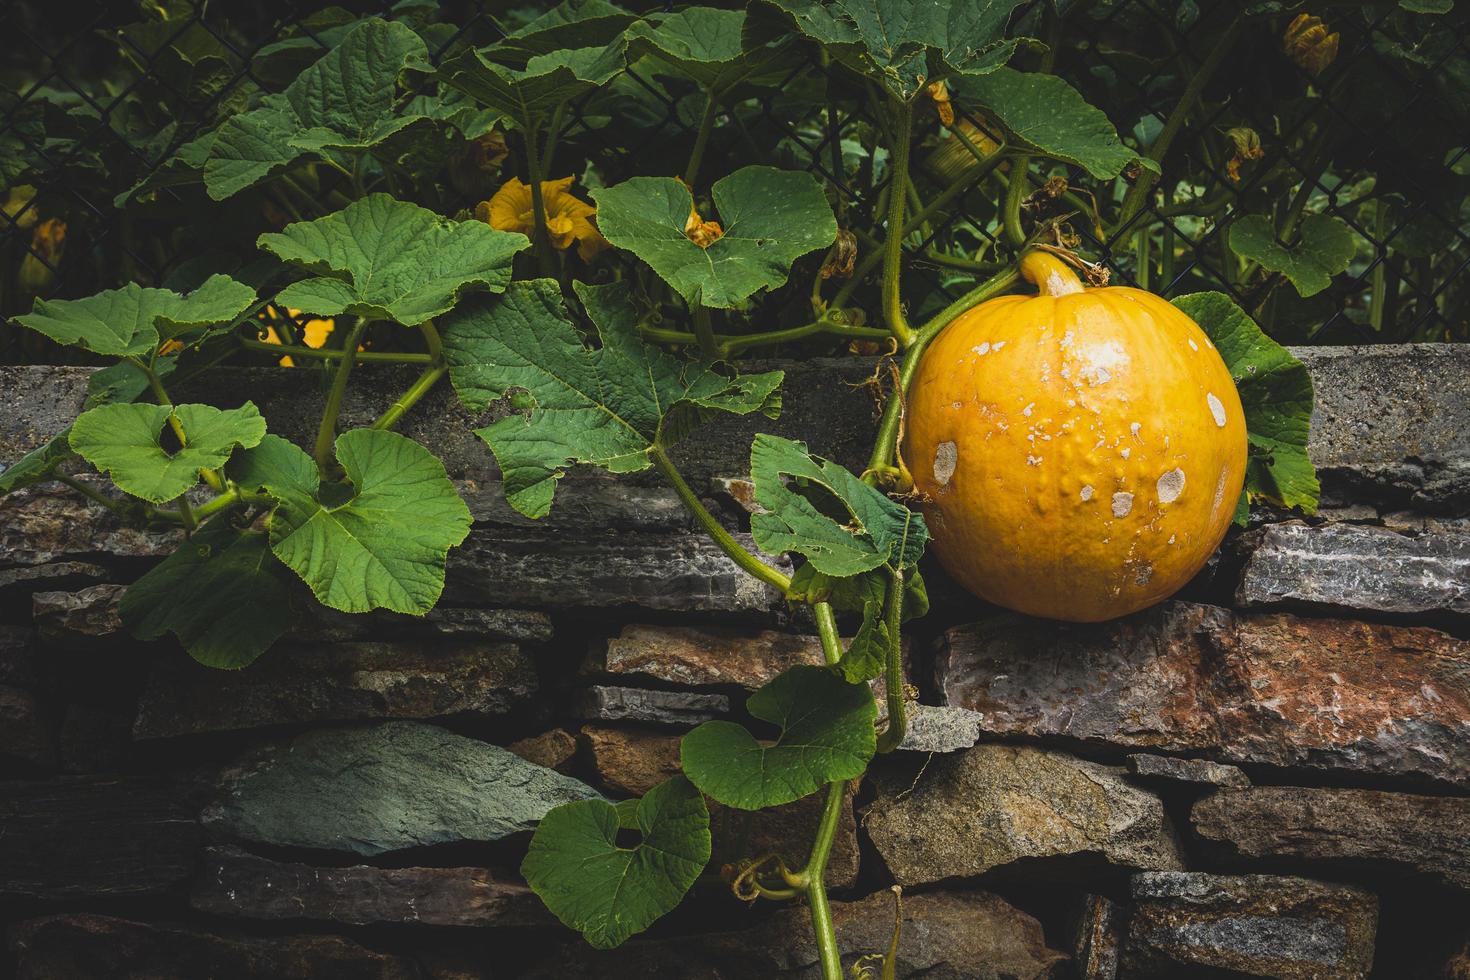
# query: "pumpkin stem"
1049,274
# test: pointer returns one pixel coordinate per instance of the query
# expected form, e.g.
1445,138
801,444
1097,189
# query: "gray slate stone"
681,708
934,728
1357,568
236,884
1338,829
1200,772
972,812
384,788
1256,925
1097,937
82,620
336,682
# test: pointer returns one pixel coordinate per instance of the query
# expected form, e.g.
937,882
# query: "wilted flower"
48,245
842,257
568,218
939,92
700,232
1247,143
1308,43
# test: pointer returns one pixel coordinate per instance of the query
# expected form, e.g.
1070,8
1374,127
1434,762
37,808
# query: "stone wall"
1267,776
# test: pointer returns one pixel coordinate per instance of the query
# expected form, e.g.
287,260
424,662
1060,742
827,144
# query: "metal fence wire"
99,96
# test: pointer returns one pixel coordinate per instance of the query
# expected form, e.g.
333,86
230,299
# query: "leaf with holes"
608,892
867,651
377,542
132,320
826,735
387,259
608,407
902,44
123,442
1276,392
840,524
1324,248
222,593
770,218
343,104
1043,113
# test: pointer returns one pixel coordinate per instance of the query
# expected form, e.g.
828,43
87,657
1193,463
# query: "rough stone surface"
1197,771
631,761
1263,688
336,682
702,657
86,837
1097,938
933,728
82,620
1357,568
681,708
946,936
19,661
968,813
53,524
318,624
26,737
384,788
1341,828
25,579
88,945
786,831
234,883
1256,925
553,749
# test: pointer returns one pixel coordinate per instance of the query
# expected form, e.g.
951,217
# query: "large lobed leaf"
1276,392
608,407
378,543
770,218
222,593
798,515
343,103
608,892
387,259
826,735
1043,113
703,44
123,442
1324,248
529,95
132,320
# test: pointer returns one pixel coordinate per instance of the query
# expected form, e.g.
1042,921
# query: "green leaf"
826,735
38,465
867,652
903,44
608,407
868,530
132,320
703,44
1427,6
1324,248
1043,113
387,259
568,25
379,543
1276,392
221,593
342,104
528,95
123,442
607,892
770,218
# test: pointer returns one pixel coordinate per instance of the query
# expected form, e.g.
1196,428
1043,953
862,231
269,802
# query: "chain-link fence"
1364,119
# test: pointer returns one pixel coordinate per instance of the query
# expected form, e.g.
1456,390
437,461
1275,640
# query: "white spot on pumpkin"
1122,503
945,459
1067,339
1172,537
1097,376
1086,492
1217,409
1126,453
998,345
1144,573
1192,344
1171,485
1133,430
1220,489
982,349
1033,460
1027,410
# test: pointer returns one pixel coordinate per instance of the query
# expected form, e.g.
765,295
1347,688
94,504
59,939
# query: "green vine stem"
704,331
116,506
410,398
729,344
701,140
898,724
1016,189
326,433
885,445
903,120
540,240
815,875
332,354
233,497
726,541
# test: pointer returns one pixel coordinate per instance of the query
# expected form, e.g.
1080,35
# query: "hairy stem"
1020,183
884,446
726,541
706,124
704,331
903,118
326,433
827,629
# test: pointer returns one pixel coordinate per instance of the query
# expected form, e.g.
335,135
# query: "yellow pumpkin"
1078,454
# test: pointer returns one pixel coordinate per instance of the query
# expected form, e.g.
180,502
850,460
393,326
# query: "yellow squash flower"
314,334
568,218
1308,43
38,265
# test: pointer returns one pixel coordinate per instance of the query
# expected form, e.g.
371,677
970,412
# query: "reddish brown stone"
705,656
1268,688
554,749
631,760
